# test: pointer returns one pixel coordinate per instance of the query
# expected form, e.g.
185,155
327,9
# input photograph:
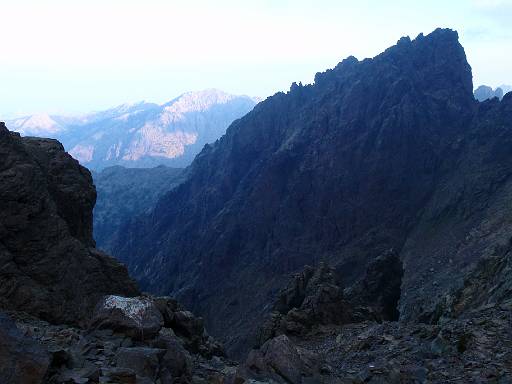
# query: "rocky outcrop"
49,266
468,341
485,92
124,194
392,152
313,297
316,297
281,361
376,295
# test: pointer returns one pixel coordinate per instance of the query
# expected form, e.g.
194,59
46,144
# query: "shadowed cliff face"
49,267
377,154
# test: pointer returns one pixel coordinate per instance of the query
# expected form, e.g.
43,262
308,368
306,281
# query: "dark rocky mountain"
485,92
142,134
387,153
49,266
125,193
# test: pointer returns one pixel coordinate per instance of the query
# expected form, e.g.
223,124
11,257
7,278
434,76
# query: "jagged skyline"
82,56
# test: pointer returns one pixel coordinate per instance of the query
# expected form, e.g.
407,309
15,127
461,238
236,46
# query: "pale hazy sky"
74,56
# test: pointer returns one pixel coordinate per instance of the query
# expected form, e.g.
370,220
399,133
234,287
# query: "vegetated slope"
142,134
125,193
386,153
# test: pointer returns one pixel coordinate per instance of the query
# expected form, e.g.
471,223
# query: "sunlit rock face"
142,134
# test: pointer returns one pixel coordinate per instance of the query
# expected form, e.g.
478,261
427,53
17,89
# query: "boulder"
281,355
145,362
186,324
280,360
176,362
137,317
167,307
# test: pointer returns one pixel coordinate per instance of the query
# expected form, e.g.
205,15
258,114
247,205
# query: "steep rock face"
49,266
468,216
125,193
386,153
142,134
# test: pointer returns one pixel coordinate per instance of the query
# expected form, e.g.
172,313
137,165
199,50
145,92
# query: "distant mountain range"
506,88
484,92
142,134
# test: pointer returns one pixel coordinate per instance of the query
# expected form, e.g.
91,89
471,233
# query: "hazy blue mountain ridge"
142,134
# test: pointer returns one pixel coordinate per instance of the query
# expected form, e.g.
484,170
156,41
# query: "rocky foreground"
318,332
128,340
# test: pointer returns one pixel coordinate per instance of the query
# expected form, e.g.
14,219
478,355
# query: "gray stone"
137,317
145,362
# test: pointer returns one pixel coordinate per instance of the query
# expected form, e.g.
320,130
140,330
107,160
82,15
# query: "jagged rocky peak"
339,170
50,267
484,92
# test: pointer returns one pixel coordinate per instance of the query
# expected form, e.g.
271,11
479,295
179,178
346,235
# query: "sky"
77,56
